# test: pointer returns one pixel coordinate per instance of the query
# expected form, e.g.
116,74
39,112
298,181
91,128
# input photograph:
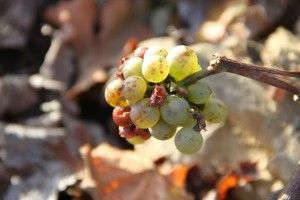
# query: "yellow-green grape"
175,110
183,61
160,51
162,130
199,92
133,67
215,111
188,141
134,89
143,115
114,95
136,140
155,69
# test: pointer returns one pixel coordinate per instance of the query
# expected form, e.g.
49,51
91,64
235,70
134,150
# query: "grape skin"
215,111
162,130
183,62
199,92
143,115
133,67
155,69
159,51
188,141
175,110
134,89
121,116
113,94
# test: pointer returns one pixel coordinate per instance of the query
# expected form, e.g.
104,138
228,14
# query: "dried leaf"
178,175
76,18
225,184
197,183
248,167
148,185
113,182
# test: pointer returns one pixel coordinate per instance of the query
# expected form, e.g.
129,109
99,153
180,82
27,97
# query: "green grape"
183,62
143,115
136,140
162,130
133,67
188,141
175,110
190,122
199,92
156,51
113,94
134,89
215,111
155,69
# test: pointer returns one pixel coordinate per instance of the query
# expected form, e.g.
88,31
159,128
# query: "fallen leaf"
76,18
148,185
225,184
197,183
115,183
178,175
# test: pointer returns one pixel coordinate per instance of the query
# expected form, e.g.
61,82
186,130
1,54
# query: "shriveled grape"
121,116
113,94
143,115
188,141
162,130
199,92
139,136
215,111
175,110
155,68
134,89
127,132
183,62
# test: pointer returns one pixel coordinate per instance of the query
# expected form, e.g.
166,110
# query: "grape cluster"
149,102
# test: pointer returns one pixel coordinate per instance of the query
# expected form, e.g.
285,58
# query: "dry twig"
266,75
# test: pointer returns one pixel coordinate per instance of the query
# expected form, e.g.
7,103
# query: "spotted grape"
134,88
143,115
155,69
114,95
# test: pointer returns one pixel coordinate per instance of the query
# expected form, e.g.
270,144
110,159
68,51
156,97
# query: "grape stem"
220,63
